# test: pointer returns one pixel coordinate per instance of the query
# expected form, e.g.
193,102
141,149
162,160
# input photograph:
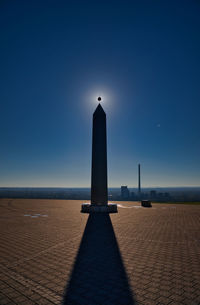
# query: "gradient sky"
56,57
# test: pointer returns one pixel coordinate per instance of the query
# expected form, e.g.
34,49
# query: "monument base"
91,208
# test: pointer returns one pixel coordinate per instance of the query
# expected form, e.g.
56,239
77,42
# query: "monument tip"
99,110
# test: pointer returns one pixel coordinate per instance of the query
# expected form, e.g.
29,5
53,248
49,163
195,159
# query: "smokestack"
139,183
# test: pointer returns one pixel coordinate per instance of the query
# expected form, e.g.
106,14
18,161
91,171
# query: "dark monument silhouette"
99,189
99,185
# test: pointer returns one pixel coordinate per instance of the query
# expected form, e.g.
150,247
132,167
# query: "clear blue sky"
143,57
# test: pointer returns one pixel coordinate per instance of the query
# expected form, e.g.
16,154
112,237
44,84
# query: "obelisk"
99,187
99,184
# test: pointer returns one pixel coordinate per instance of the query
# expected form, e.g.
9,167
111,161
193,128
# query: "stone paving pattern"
50,253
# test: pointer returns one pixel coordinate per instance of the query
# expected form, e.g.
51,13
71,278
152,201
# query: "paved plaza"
50,253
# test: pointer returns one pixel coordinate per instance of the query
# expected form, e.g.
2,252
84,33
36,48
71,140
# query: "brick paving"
50,253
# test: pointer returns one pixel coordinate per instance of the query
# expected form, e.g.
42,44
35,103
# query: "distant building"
166,195
133,195
153,194
124,192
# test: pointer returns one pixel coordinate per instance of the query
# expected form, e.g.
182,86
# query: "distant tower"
139,182
124,192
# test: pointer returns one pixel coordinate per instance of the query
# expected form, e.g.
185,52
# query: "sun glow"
92,95
102,96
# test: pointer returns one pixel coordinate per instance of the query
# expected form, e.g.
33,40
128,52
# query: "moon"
99,98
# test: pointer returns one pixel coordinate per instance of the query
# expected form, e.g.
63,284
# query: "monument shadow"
98,276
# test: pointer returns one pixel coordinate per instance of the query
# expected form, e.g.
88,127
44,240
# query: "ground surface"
50,253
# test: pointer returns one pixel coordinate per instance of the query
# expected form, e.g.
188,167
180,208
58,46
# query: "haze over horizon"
141,57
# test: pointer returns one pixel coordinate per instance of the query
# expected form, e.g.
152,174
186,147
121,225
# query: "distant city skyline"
142,57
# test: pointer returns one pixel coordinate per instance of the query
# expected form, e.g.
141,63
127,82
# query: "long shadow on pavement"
98,276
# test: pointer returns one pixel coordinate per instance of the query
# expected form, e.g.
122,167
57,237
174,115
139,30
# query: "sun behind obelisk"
99,184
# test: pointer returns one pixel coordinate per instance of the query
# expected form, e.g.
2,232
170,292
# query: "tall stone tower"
99,184
99,187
